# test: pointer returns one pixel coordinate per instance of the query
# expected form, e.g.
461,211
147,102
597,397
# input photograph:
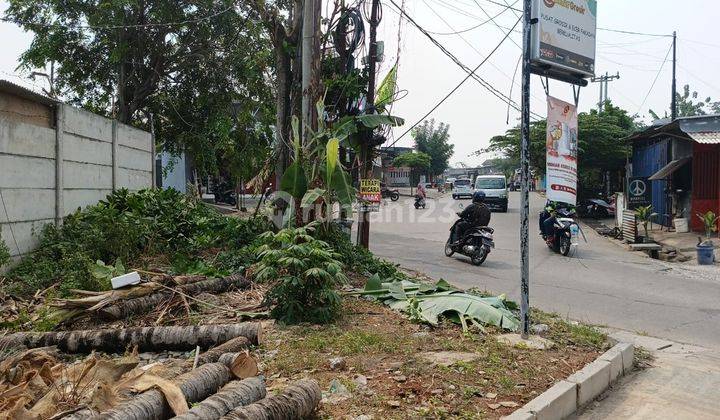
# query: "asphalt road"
602,283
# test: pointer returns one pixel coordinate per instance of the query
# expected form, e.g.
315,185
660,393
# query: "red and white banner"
561,145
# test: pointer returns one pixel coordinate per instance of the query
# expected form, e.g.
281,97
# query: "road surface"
602,284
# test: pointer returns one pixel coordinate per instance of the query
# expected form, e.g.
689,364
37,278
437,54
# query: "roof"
25,93
701,128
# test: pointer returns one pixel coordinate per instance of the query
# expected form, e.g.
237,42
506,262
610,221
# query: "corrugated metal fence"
647,159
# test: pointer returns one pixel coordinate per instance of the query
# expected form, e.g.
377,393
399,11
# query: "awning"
706,137
668,169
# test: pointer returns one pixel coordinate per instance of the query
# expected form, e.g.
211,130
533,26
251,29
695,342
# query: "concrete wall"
50,168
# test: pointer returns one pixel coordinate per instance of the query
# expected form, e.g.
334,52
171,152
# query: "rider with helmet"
475,215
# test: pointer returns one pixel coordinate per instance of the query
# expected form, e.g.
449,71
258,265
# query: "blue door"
648,158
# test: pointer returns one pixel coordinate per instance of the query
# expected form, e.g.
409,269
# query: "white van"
495,189
462,188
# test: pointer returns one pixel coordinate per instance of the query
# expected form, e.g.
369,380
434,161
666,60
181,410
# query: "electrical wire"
633,33
657,76
496,24
487,85
465,79
462,31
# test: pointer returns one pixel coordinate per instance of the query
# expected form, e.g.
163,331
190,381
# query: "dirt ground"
384,369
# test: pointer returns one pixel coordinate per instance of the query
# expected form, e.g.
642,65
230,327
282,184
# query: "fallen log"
145,338
298,400
231,396
126,308
231,346
196,385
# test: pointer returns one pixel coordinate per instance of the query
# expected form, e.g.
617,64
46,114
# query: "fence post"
59,160
114,154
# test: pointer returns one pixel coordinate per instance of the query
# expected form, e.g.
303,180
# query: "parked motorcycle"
476,243
596,208
419,202
224,193
566,231
394,195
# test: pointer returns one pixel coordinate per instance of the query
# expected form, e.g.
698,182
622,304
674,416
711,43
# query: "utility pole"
525,177
604,93
673,102
365,150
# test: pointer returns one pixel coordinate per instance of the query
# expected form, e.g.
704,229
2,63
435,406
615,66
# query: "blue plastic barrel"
705,254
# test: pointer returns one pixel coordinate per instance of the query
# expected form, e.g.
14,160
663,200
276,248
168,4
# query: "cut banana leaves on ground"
427,303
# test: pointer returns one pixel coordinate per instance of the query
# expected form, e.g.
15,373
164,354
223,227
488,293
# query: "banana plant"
710,221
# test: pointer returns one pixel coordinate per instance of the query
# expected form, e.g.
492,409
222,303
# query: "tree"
184,62
434,141
687,107
417,162
601,145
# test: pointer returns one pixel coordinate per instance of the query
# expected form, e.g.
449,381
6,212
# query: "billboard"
561,146
564,35
370,195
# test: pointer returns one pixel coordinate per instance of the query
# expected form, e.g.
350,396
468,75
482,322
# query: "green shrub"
124,226
4,253
357,258
303,272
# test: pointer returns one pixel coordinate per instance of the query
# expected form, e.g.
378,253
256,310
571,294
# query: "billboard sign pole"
525,177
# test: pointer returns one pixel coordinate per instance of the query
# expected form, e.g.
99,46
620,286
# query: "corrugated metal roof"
668,169
706,137
17,90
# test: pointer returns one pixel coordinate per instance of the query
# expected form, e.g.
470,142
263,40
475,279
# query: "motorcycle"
394,195
419,202
566,231
476,243
597,208
224,193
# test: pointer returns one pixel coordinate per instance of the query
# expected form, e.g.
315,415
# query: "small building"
681,160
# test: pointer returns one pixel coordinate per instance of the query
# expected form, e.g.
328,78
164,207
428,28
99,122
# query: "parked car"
496,191
462,188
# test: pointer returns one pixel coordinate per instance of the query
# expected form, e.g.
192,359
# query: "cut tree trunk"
231,396
196,385
298,400
231,346
126,308
146,338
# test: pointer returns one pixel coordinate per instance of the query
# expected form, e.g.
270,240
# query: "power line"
144,25
496,24
657,76
465,68
462,31
454,89
634,33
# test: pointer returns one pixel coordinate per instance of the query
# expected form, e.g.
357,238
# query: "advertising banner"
561,146
564,35
370,195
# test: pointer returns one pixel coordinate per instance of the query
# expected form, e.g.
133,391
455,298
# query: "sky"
426,75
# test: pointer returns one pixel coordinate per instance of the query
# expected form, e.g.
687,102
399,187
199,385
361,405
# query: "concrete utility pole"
365,171
604,93
673,101
525,177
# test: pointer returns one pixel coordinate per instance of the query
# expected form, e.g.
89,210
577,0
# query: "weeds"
124,226
4,253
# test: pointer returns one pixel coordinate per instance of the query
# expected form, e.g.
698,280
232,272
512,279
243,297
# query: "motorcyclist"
549,215
475,215
420,194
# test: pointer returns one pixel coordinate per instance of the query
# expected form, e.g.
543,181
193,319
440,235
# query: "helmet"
478,197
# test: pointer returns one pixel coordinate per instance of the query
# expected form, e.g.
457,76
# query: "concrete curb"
580,388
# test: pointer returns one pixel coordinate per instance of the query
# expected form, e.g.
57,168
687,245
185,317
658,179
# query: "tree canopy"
199,67
418,162
601,145
434,141
688,105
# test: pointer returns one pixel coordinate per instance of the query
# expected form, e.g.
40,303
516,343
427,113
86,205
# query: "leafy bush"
357,258
4,253
124,226
303,272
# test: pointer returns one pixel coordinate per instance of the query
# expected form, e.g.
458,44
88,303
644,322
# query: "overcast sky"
474,114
